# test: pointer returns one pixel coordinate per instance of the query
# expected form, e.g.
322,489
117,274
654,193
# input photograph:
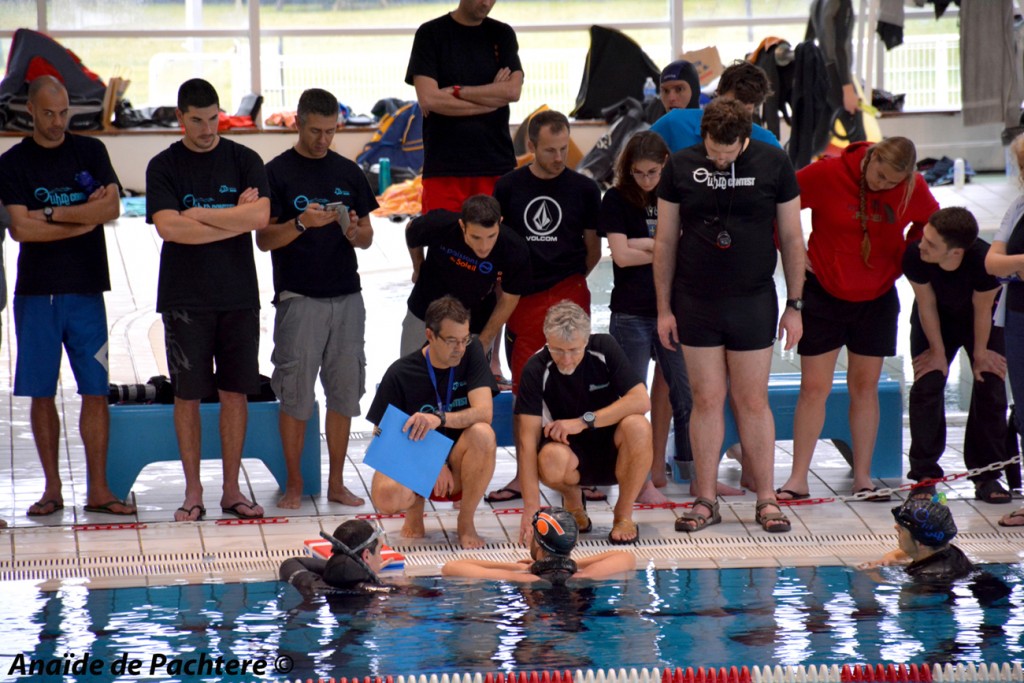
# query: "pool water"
733,617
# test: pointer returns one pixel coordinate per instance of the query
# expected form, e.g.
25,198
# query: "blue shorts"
44,324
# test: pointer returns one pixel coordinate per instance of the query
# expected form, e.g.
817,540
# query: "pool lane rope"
848,673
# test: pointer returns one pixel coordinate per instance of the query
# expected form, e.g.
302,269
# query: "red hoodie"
830,188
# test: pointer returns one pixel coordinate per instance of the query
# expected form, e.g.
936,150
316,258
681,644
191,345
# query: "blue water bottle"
383,175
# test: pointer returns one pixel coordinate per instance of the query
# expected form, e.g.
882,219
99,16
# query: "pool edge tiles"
233,565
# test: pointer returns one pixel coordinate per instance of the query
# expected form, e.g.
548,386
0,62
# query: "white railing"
927,69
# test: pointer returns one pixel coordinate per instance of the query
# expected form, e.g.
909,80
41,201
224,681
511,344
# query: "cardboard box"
708,63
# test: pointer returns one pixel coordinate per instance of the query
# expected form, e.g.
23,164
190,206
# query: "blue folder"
413,464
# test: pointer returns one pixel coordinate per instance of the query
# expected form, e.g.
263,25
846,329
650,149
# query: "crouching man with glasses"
445,386
714,265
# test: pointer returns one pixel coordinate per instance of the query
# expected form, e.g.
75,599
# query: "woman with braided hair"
861,204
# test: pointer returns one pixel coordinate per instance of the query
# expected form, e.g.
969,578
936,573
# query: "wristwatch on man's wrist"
48,213
795,304
590,419
298,224
441,416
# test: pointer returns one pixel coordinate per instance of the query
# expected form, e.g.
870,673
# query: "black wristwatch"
795,304
590,419
444,419
298,224
48,213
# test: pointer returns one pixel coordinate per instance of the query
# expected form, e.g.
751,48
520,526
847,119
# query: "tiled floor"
151,549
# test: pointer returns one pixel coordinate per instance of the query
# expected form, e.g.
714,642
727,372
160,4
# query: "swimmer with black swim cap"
554,537
924,529
353,565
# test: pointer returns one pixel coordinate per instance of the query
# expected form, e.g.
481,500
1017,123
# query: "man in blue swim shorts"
60,189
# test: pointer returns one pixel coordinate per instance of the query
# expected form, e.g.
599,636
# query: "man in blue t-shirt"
320,321
60,189
205,194
742,81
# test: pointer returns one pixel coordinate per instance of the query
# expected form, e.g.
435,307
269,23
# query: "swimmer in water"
554,536
353,565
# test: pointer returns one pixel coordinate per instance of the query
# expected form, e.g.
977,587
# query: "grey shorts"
414,333
325,336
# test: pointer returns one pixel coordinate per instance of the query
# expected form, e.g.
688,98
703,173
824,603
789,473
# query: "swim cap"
555,530
555,569
682,70
929,522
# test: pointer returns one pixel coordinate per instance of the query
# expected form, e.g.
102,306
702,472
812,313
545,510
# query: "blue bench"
783,391
144,434
501,419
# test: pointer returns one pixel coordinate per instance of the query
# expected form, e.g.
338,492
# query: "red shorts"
448,192
524,331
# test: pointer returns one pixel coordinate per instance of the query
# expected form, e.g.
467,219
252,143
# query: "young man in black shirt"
555,210
205,194
60,189
320,320
581,422
466,70
468,256
953,302
714,266
445,386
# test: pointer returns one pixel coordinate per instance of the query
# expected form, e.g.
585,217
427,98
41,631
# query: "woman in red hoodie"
861,202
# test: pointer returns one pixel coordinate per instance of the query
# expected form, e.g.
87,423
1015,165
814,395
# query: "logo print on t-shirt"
486,267
542,217
719,180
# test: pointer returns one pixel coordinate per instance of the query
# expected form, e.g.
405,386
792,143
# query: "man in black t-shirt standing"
714,266
581,422
320,320
60,189
205,194
466,70
953,303
467,256
444,386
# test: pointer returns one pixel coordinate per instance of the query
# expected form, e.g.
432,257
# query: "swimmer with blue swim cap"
924,529
555,533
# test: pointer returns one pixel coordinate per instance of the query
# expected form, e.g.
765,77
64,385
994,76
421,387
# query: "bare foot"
468,537
413,527
291,500
242,508
723,490
344,496
650,495
191,510
660,480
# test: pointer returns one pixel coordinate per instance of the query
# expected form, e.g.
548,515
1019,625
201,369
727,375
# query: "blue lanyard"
433,380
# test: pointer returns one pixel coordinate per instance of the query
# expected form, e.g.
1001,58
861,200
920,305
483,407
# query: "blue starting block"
501,420
143,434
783,391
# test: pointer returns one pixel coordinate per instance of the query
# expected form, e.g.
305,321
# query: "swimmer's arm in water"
606,564
893,557
302,572
485,569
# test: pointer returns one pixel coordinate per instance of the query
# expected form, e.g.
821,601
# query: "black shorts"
197,339
597,455
747,323
867,328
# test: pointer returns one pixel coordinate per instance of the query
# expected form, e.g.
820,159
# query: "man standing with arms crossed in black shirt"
205,194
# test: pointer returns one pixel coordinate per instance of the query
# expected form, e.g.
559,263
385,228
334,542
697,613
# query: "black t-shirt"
602,377
1014,246
36,177
551,215
407,386
742,200
634,285
451,266
321,262
453,54
220,276
953,289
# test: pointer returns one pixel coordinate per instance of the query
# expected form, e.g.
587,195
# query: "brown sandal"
626,526
691,521
772,522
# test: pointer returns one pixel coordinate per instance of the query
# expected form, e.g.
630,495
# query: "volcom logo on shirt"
542,217
718,180
61,196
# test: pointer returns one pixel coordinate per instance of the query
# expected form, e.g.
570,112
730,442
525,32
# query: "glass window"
143,14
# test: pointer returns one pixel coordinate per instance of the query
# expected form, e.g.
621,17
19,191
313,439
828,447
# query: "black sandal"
991,491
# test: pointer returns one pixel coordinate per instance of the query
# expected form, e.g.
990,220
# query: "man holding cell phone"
320,213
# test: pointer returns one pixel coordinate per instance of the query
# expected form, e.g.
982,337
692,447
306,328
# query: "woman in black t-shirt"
629,215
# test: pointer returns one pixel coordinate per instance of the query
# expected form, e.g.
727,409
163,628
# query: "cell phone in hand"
342,212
